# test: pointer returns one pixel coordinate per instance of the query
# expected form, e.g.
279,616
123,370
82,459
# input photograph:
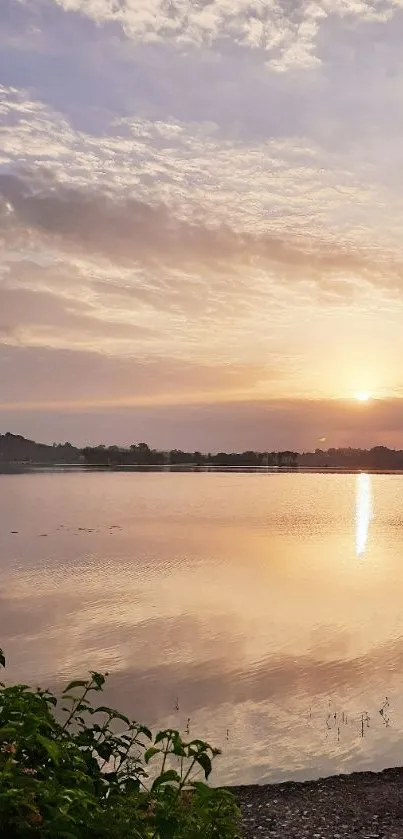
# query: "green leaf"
169,777
78,683
104,750
98,679
132,785
150,753
66,835
142,729
111,777
201,788
178,746
69,786
204,761
103,709
200,745
82,706
7,732
166,827
168,734
50,747
119,716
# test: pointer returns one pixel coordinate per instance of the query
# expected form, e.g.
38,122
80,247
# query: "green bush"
68,772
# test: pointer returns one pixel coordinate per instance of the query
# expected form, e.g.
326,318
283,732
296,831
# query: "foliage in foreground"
67,773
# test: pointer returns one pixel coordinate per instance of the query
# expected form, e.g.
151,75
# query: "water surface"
263,611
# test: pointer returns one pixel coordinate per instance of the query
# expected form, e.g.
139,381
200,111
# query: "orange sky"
176,262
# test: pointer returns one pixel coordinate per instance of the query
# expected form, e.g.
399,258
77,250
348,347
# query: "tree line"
141,454
17,449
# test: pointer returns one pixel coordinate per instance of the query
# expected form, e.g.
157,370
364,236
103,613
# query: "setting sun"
362,396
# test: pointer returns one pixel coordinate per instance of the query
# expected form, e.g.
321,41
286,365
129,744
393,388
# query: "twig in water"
383,712
365,718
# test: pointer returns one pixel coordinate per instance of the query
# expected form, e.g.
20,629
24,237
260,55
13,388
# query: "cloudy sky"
200,220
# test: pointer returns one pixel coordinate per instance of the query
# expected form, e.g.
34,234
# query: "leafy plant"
68,772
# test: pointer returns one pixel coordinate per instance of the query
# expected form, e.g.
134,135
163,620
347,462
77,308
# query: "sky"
200,222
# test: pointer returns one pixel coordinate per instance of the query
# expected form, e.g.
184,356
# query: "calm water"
268,607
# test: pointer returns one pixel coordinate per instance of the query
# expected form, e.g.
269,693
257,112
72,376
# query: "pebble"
358,806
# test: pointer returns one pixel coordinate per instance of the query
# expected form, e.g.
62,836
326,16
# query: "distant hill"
17,449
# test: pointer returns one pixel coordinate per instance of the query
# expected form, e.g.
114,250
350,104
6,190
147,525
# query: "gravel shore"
364,805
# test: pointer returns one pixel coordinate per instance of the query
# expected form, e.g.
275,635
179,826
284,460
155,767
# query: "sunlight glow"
362,396
363,512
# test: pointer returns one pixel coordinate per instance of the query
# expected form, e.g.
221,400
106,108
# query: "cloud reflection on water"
236,597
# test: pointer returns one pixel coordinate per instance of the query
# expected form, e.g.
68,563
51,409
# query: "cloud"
203,174
128,231
89,398
209,679
97,270
244,225
31,318
287,33
118,277
82,380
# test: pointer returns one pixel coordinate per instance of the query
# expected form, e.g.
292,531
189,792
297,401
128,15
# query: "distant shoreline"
27,468
20,454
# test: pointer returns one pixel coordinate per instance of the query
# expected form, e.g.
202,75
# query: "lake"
263,612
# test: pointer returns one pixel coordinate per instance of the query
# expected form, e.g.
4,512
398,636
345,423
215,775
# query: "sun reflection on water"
363,514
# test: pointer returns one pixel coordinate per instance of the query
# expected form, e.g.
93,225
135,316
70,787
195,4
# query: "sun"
362,396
